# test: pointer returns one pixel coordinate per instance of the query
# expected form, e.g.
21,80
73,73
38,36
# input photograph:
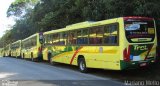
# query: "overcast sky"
4,21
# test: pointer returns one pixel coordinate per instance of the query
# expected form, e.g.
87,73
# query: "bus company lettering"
140,47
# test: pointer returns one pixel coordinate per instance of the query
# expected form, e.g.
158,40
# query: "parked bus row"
115,44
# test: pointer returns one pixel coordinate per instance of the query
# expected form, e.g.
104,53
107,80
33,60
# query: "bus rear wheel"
23,56
32,59
82,65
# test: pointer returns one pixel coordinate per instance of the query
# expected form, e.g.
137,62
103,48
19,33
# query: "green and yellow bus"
116,44
32,48
16,49
7,50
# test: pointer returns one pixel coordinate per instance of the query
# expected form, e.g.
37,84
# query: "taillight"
126,54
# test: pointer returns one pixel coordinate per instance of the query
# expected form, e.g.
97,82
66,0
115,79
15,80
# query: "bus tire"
23,56
32,59
82,65
52,62
20,56
39,58
50,59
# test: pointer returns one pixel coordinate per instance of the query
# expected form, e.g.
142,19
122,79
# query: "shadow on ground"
151,72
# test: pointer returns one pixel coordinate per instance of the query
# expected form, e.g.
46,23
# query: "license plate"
143,64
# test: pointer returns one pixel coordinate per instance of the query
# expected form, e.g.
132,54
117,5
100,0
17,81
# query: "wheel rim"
82,65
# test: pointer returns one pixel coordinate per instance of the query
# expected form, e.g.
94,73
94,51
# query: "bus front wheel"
82,65
52,62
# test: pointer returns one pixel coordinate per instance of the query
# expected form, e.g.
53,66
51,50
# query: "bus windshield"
138,31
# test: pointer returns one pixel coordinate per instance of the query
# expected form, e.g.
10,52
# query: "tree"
44,15
19,7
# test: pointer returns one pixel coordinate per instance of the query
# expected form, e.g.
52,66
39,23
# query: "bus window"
63,38
45,37
33,41
50,39
29,43
85,36
82,36
72,38
96,35
79,37
139,31
111,34
56,39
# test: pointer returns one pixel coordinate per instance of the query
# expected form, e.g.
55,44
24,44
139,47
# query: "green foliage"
44,15
19,7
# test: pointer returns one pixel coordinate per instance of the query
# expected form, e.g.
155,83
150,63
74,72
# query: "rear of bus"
140,42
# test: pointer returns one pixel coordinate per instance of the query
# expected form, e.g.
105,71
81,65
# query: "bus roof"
30,37
16,42
70,27
79,25
137,17
92,24
82,25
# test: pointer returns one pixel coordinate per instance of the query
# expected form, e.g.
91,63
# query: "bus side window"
79,37
23,45
72,38
61,41
32,41
50,39
26,46
96,35
45,37
56,38
35,41
85,33
63,38
82,36
111,34
29,43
